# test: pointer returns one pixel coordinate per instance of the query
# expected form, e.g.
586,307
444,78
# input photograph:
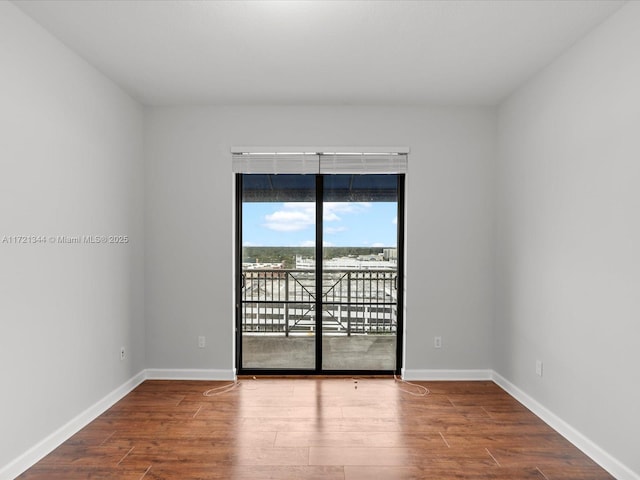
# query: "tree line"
287,255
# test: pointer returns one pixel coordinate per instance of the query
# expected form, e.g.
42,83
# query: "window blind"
364,163
275,163
320,163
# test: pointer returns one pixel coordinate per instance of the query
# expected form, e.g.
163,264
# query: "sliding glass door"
277,291
296,314
360,272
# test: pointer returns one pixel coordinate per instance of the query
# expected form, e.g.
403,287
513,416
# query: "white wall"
568,238
566,241
189,223
71,163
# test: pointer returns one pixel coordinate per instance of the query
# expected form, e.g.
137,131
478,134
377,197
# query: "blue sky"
346,224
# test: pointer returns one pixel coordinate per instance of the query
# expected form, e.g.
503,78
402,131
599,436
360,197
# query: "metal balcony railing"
353,302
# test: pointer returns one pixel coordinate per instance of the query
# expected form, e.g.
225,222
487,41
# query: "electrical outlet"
202,341
122,353
539,368
437,342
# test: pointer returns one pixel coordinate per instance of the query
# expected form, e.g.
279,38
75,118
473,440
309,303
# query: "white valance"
261,161
275,163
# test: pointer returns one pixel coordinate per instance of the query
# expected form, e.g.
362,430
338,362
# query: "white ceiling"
319,52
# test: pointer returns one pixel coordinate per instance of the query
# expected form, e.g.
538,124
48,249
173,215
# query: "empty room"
319,239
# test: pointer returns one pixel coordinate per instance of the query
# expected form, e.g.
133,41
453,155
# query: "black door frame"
318,370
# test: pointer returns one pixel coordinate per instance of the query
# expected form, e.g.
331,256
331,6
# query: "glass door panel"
278,289
341,315
359,272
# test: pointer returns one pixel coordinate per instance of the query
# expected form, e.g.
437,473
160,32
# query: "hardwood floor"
317,428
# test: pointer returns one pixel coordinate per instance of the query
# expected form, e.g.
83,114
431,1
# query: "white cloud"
377,245
395,221
333,210
296,216
292,218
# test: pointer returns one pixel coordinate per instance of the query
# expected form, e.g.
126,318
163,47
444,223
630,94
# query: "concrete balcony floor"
339,352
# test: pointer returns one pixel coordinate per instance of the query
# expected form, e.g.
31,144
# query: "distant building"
262,266
372,257
363,262
390,254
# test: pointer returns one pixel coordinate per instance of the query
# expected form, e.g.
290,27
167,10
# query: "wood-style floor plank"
438,472
317,428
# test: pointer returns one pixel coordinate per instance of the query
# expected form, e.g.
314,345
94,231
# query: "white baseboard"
449,375
189,374
44,447
588,447
50,443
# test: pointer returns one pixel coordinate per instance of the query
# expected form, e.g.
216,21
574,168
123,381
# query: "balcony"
359,318
354,302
